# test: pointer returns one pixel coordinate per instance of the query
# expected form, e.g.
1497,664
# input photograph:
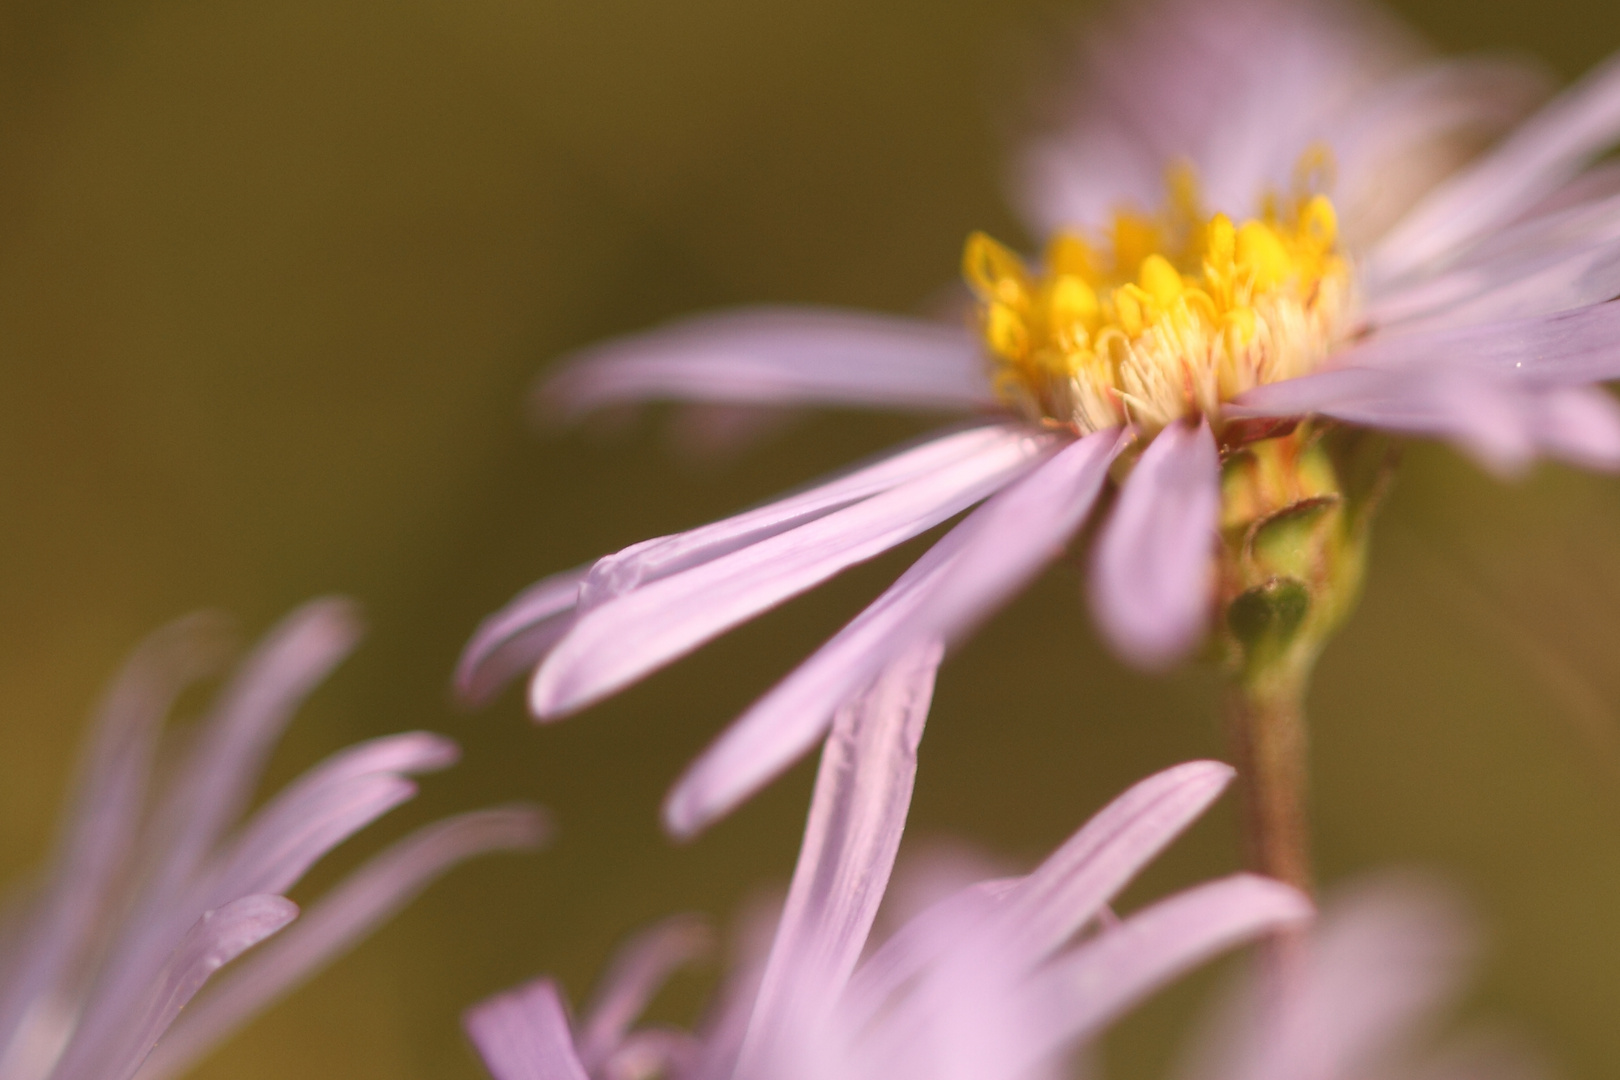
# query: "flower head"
156,884
1267,228
994,982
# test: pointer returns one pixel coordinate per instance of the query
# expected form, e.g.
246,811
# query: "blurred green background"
275,278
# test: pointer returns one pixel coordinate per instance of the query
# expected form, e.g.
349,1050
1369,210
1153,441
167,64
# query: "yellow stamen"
1164,316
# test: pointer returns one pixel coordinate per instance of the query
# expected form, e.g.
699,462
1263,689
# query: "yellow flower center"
1165,316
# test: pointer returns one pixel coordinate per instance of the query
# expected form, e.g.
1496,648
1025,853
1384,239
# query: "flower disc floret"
1163,317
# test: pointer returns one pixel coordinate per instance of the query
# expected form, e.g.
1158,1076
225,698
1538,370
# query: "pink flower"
1471,304
156,884
995,982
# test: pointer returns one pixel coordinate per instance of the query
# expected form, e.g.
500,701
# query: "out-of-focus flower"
1317,265
156,883
994,982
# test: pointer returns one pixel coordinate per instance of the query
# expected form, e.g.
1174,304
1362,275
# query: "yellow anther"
1135,238
1220,242
994,272
1319,221
1160,280
1128,309
1067,254
1072,305
1261,252
1006,333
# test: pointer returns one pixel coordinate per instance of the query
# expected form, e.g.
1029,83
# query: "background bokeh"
275,278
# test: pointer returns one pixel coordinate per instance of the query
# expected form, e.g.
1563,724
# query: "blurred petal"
1152,564
976,567
632,635
1042,911
1531,163
216,939
636,975
1377,966
1503,423
1090,987
863,792
335,923
523,1035
517,637
779,356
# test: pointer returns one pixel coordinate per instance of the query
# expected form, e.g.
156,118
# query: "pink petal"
116,1051
980,563
341,918
637,974
110,790
863,791
1376,968
651,560
1524,168
634,634
523,1035
779,356
517,637
1042,911
1504,423
1086,990
1152,565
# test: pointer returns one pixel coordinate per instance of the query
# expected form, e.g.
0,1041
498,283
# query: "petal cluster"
158,883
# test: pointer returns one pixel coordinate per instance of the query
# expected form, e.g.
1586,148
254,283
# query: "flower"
988,983
155,885
1318,264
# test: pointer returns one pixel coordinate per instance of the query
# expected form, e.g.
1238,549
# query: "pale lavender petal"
652,560
1085,990
1568,347
863,791
1525,168
340,919
96,843
636,975
216,939
1379,963
523,1035
1152,565
779,356
1504,423
981,563
323,808
1037,914
219,774
632,635
517,637
657,1052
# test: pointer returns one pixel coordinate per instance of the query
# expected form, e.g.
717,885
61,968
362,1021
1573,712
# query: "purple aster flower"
994,982
1263,236
156,883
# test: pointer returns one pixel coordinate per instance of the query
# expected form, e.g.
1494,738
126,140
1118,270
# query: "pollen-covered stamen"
1165,317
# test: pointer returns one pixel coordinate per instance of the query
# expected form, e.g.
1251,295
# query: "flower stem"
1265,719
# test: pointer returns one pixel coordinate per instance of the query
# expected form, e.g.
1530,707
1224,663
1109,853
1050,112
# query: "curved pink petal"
638,972
342,917
1040,912
977,566
633,634
116,1050
1152,565
863,793
1524,168
517,637
779,356
1083,991
523,1035
1377,966
1502,422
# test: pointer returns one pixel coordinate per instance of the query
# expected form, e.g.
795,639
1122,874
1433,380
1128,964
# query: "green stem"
1265,718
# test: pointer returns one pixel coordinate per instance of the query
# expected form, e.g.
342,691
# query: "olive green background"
275,279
